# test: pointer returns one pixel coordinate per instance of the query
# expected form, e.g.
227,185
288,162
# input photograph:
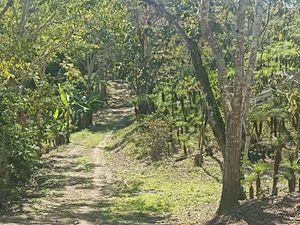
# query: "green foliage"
152,139
53,67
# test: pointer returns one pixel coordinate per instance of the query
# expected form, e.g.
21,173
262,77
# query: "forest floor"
93,181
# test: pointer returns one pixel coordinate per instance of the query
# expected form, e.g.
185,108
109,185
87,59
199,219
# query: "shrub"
153,140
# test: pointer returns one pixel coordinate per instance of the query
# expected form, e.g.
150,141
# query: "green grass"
161,190
93,140
167,189
120,137
87,138
79,136
84,163
156,189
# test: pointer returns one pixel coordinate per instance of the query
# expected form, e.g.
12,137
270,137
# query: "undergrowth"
157,188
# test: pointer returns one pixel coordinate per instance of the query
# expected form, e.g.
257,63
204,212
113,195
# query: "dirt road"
74,183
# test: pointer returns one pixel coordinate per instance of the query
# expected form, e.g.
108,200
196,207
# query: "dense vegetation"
216,78
55,60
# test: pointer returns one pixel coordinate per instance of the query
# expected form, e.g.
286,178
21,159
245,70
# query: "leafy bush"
153,139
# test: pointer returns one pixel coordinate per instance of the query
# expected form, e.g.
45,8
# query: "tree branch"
217,51
256,33
240,40
21,25
170,18
215,118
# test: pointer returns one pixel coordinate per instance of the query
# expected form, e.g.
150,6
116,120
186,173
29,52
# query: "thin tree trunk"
215,118
251,192
298,133
258,186
21,25
278,159
292,181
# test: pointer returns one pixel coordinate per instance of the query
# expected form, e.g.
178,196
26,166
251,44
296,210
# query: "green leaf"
56,114
63,96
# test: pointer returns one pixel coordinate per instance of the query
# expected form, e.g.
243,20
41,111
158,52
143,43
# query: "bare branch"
170,18
257,26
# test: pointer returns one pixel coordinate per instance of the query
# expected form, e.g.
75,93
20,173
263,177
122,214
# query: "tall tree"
234,108
216,120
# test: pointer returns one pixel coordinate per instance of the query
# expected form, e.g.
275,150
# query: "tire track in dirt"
67,193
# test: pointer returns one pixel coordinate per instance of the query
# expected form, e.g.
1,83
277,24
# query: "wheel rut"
75,183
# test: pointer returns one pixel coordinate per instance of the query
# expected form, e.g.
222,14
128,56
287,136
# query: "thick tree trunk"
232,163
240,101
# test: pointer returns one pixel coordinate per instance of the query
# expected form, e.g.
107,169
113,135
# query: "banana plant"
66,112
83,106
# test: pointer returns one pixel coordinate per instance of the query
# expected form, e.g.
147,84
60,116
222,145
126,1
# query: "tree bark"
232,163
276,170
298,132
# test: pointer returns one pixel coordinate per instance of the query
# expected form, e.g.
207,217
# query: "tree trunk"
231,191
251,192
276,170
258,186
232,163
298,134
292,181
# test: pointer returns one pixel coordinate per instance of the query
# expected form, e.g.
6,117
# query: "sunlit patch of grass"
82,160
79,136
119,137
93,140
161,190
157,189
83,163
87,138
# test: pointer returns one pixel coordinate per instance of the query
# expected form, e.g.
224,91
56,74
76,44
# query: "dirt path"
75,181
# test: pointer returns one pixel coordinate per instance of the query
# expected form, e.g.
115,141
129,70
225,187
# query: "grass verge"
157,189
